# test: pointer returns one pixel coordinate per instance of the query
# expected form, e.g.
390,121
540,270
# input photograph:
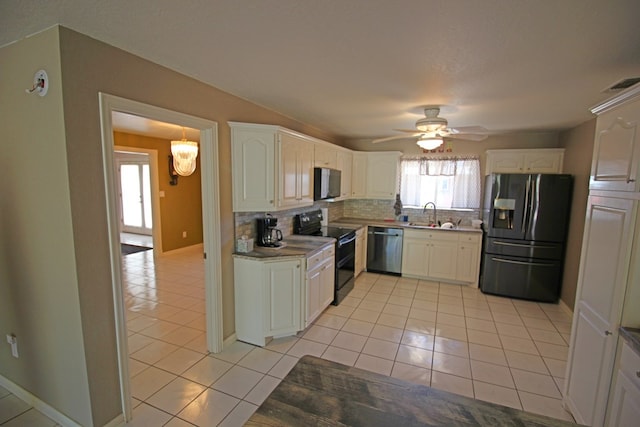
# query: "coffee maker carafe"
268,234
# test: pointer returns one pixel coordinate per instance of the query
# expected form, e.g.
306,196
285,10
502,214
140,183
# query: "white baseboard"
38,404
229,340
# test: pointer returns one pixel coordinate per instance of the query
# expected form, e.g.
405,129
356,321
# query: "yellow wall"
181,206
39,299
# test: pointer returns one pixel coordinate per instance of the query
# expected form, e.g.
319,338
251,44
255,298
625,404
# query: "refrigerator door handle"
526,204
509,261
498,243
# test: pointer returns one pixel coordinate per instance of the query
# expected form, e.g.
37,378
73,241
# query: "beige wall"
55,248
494,142
181,207
90,67
578,145
39,299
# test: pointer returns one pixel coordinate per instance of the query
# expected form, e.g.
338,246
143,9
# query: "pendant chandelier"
184,155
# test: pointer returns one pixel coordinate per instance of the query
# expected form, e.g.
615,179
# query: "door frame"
155,192
210,227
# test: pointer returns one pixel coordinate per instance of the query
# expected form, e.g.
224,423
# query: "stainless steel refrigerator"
526,218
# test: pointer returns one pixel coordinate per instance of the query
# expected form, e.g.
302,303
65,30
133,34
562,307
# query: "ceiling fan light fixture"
431,124
430,143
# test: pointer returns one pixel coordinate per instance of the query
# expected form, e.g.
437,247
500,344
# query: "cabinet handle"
271,202
638,374
630,180
608,333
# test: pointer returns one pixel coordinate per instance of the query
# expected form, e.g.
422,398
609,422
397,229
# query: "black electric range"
310,224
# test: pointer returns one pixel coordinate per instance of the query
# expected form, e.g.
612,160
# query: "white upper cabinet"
345,161
359,176
272,168
616,147
382,174
543,160
326,156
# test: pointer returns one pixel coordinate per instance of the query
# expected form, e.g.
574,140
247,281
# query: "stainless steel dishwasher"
384,250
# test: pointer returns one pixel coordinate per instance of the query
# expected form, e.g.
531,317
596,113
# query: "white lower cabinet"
450,256
604,265
320,280
625,407
267,298
468,264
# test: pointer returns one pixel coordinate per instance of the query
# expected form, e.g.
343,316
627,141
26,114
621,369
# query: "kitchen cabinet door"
468,264
540,160
327,284
325,156
616,151
345,160
253,169
382,175
314,283
443,256
359,176
415,257
625,411
296,167
282,297
602,281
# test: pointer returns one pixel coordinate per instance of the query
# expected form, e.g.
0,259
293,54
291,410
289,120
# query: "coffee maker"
268,235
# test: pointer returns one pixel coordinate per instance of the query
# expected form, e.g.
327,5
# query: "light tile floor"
446,336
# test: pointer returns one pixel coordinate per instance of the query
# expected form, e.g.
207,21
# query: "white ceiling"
359,68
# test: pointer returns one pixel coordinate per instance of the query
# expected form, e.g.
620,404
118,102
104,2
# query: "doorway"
134,184
210,215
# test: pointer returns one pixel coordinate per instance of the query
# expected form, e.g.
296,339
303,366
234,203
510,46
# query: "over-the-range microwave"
326,183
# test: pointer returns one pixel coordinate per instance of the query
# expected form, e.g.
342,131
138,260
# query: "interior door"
134,181
601,286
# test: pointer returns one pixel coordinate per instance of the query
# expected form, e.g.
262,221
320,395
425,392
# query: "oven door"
345,267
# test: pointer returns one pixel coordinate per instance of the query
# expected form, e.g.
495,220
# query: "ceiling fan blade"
393,138
467,136
414,131
469,129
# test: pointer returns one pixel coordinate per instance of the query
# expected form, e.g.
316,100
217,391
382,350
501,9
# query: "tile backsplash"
383,209
245,222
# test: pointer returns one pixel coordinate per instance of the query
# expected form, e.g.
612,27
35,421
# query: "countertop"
632,337
400,224
321,392
295,246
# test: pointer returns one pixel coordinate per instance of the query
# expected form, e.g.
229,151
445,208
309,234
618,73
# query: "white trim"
37,404
155,193
230,340
210,217
617,100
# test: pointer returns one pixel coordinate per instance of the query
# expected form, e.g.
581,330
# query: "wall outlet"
13,340
184,234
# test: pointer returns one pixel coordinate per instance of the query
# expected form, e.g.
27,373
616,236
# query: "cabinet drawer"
329,252
630,364
470,238
315,260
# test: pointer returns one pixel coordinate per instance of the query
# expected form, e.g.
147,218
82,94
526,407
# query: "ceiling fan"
431,129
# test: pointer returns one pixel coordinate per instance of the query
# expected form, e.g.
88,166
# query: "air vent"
623,84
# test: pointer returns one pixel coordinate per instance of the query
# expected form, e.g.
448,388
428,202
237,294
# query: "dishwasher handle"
379,233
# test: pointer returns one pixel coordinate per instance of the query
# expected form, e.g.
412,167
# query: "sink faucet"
424,209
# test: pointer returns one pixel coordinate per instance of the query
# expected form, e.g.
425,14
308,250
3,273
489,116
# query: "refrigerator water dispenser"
503,213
